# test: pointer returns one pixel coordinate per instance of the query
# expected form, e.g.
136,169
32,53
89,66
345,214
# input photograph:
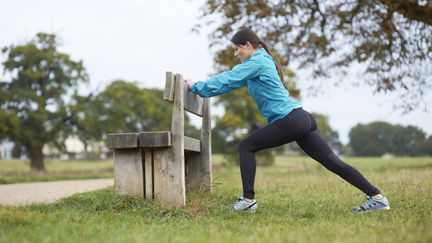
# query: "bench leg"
198,172
169,178
128,172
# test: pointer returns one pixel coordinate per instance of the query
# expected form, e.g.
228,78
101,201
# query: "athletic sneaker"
242,205
373,204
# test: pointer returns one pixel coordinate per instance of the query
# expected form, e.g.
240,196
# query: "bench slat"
123,140
163,139
192,144
155,139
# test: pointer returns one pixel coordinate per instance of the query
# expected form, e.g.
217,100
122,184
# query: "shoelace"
369,203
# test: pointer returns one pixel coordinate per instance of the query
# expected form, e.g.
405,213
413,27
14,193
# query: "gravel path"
47,192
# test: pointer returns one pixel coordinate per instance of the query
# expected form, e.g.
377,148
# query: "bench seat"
160,139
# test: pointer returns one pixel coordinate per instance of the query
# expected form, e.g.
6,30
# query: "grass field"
299,201
16,171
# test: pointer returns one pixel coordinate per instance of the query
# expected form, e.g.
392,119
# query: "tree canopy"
388,43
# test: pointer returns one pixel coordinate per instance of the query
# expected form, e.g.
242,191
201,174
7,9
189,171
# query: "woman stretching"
260,71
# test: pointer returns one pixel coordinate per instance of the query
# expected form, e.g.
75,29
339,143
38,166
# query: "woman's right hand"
189,82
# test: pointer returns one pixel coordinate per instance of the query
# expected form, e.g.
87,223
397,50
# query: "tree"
374,139
127,108
408,140
392,40
34,102
17,151
427,146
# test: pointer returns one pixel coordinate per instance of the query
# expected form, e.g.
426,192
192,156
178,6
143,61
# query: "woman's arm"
227,81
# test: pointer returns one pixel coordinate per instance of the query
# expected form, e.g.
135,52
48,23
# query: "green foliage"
379,138
17,151
299,202
391,39
35,101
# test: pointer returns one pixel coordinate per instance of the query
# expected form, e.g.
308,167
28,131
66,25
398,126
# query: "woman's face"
243,52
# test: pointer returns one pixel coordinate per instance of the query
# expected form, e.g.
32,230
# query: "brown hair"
246,34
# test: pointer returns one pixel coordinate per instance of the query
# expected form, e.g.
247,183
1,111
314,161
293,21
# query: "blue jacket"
260,75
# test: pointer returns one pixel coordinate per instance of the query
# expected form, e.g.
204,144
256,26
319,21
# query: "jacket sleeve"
229,80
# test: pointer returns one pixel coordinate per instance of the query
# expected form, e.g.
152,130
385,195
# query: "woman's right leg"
319,150
288,129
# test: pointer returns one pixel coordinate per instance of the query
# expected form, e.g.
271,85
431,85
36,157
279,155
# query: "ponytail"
278,65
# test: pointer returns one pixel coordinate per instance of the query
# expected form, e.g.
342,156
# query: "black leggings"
301,127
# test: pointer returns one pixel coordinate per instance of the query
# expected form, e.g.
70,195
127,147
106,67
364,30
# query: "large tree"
388,43
35,100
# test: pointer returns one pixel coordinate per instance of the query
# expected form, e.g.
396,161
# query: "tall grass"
299,201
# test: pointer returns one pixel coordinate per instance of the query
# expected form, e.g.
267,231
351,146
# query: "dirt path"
47,192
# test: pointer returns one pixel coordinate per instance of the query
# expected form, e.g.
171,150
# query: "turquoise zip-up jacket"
259,74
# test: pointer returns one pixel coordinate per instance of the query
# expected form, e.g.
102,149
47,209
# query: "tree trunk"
86,154
36,157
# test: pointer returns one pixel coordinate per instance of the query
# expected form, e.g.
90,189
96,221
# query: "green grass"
18,171
299,202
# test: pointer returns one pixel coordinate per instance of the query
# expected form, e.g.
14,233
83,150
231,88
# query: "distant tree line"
379,138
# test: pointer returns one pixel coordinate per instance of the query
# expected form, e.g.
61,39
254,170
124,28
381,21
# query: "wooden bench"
163,165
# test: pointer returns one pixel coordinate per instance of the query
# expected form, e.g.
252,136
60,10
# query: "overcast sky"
140,40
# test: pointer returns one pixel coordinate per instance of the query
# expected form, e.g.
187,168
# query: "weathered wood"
206,147
192,102
169,87
123,140
192,144
128,172
163,139
198,165
155,165
148,174
164,178
155,139
170,165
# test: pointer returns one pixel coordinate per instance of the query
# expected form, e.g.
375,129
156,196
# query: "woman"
261,72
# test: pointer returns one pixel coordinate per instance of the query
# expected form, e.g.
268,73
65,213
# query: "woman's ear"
248,45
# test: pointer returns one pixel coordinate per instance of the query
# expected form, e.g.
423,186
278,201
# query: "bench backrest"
191,102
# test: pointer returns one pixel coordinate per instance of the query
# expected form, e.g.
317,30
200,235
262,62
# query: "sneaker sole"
249,210
386,208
